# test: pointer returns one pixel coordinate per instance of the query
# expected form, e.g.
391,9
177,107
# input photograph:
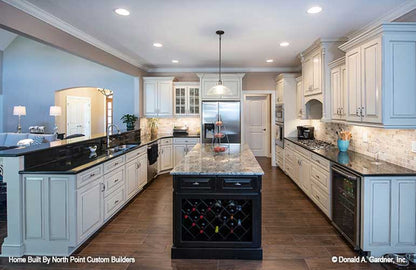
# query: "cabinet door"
299,100
307,77
193,100
343,92
353,59
305,175
179,153
180,100
132,178
150,98
164,98
89,209
317,69
166,158
142,164
279,91
371,81
335,92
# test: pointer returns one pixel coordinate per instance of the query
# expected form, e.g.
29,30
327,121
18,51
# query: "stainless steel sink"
120,148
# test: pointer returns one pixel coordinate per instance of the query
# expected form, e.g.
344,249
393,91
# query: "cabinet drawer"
230,184
185,140
89,175
165,141
321,177
324,163
321,198
113,202
303,151
113,180
197,183
289,144
113,164
136,153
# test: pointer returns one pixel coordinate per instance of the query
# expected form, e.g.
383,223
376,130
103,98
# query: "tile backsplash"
166,124
391,145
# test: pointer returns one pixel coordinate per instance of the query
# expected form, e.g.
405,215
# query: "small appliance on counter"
306,132
180,131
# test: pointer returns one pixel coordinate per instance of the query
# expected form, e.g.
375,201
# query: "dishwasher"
152,160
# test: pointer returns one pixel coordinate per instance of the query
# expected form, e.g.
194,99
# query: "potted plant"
129,120
153,126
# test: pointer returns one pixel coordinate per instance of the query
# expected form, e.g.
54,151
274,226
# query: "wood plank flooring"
296,235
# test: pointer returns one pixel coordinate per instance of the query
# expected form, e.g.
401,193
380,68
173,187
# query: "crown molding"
224,70
48,18
337,62
392,15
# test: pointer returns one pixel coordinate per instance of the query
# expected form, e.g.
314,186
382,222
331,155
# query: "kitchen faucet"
108,133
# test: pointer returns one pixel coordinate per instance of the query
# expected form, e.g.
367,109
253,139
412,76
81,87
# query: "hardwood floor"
296,235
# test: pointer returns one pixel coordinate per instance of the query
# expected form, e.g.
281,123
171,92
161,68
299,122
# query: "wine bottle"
239,222
231,207
217,229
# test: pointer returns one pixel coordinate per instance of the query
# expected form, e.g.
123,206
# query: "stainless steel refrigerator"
229,112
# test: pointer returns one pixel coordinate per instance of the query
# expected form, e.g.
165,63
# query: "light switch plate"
414,146
365,137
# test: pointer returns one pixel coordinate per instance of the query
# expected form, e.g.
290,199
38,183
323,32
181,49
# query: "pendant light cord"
220,59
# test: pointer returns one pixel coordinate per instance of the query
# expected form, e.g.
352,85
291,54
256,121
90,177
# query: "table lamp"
55,111
19,111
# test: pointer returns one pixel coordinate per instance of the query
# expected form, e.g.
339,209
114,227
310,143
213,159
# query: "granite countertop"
202,160
84,163
359,163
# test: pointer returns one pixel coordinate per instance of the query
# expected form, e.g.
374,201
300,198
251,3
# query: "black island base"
217,217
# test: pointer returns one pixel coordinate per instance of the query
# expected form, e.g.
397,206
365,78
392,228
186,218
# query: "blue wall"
33,71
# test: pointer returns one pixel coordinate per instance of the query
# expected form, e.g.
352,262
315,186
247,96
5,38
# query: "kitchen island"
217,204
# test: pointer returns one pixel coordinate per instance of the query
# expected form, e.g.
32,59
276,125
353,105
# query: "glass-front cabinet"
187,98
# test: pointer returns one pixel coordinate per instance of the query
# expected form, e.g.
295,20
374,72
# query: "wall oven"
279,113
346,203
279,136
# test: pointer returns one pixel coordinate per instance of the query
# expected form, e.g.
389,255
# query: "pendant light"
219,89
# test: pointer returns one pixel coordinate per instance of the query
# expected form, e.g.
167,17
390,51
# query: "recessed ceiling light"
314,10
269,60
284,44
157,44
122,12
175,61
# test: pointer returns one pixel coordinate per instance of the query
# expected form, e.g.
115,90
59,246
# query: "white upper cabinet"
158,96
338,88
187,97
279,92
233,81
316,74
300,107
381,76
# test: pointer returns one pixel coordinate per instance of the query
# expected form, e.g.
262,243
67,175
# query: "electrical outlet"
414,146
365,137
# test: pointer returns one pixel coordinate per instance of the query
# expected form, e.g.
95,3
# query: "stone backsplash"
391,145
166,124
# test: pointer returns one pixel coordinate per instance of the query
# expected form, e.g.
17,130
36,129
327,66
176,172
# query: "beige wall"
97,107
17,21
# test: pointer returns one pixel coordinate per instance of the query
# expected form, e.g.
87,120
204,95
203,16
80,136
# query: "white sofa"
9,140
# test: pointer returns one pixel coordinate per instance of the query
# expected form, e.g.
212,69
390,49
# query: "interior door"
256,126
78,115
353,60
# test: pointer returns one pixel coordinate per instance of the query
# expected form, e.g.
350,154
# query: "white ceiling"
186,28
6,38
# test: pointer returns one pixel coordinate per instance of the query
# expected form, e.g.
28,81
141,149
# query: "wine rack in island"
217,217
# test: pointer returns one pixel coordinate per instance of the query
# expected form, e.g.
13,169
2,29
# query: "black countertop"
82,163
359,163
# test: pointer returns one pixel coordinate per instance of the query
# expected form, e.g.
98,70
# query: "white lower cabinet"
62,211
166,158
181,147
89,209
179,152
311,173
388,215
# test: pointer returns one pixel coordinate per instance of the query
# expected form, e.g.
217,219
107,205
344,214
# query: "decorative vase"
130,126
153,132
343,145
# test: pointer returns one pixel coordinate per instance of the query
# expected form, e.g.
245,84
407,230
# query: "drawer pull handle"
92,174
138,165
103,189
115,164
317,197
195,183
115,181
116,202
317,176
237,184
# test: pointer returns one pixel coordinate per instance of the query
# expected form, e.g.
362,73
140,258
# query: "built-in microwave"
279,113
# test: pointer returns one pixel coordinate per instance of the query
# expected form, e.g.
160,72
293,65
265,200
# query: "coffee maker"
306,132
